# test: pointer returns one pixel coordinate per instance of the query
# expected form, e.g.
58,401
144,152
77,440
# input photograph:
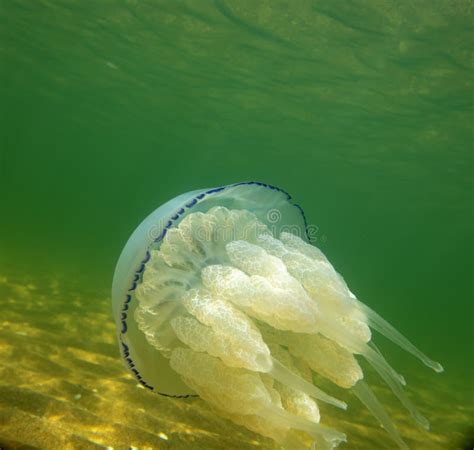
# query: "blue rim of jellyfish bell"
132,263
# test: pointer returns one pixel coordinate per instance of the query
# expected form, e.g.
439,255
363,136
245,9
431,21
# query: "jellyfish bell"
219,293
270,205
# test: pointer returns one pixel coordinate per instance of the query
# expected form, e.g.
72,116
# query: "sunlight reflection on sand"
63,386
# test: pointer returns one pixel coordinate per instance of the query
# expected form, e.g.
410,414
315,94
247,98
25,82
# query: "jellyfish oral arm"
367,397
226,304
330,435
398,391
286,377
383,327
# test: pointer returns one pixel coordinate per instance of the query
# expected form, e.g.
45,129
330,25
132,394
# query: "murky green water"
362,110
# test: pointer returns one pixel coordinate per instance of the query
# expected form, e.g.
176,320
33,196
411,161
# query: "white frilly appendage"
246,317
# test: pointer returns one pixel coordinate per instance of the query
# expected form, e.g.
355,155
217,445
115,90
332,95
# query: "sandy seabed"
63,386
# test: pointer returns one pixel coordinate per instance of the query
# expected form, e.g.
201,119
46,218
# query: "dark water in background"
362,110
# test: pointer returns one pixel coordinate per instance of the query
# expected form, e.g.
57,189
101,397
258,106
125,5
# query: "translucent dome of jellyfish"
220,294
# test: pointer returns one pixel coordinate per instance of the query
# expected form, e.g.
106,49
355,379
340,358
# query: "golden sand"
63,386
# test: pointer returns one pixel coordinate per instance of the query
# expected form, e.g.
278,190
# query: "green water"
362,110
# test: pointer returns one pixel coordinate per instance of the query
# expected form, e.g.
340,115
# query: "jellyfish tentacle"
256,314
404,400
236,342
327,358
373,406
368,398
299,423
322,445
355,346
383,327
294,243
239,391
286,377
381,364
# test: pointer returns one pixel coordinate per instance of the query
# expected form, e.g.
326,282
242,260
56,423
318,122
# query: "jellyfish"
220,294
